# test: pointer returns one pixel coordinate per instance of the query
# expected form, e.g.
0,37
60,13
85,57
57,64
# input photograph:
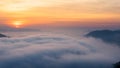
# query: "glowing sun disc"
17,24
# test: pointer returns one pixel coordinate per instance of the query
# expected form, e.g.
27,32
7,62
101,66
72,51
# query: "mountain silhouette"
108,36
117,65
1,35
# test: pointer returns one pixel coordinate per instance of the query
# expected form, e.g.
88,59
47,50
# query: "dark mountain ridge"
108,36
2,35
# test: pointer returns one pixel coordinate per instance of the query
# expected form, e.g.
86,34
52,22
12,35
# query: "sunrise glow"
60,12
17,24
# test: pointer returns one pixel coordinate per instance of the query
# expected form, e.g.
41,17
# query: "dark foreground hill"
108,36
117,65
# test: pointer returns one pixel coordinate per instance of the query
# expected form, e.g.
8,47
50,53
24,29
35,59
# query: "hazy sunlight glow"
59,12
17,24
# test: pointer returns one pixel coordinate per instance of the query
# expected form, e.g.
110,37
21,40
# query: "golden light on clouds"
41,11
14,8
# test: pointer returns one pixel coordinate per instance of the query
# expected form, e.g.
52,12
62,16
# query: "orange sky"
83,12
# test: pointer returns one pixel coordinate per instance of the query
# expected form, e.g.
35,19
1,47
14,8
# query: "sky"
63,13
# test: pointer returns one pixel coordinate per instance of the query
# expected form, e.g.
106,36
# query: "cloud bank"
56,51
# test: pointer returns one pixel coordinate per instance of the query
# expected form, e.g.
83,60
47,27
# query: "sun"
17,24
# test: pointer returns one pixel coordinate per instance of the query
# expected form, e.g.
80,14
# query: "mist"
56,51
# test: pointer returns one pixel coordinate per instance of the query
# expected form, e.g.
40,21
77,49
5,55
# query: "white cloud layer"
56,51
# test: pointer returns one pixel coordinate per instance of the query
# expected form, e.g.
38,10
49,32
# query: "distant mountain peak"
108,36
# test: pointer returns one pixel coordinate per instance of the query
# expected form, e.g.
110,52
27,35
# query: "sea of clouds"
56,51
